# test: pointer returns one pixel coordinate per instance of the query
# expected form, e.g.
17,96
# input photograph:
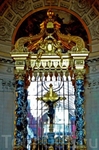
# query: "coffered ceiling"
14,13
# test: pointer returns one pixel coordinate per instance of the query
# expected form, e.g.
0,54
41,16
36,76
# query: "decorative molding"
12,12
21,7
51,2
5,55
5,30
96,6
3,9
16,20
94,29
80,7
7,85
93,63
92,14
93,58
94,55
35,1
86,19
7,61
79,74
64,4
10,15
92,83
38,5
92,77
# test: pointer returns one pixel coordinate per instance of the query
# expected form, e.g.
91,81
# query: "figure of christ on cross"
50,99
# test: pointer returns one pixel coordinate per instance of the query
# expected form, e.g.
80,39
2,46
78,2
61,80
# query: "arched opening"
55,60
70,22
64,113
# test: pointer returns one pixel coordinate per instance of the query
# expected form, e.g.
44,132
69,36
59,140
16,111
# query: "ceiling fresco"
69,24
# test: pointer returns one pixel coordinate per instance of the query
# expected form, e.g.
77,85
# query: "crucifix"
50,99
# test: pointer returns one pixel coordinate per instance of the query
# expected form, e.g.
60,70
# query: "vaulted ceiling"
17,17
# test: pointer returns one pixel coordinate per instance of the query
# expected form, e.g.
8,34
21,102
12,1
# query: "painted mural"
69,24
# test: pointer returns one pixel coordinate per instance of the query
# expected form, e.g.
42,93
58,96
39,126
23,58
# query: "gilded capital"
19,74
79,73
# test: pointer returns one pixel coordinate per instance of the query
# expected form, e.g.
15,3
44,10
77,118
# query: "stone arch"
65,10
12,14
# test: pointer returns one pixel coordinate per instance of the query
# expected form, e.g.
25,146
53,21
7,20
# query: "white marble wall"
7,97
7,105
92,103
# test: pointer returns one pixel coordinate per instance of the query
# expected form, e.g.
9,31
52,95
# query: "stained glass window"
64,116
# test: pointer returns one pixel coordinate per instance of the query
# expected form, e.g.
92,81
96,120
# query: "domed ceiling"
21,17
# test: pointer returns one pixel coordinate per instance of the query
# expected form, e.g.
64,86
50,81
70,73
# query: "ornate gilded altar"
46,54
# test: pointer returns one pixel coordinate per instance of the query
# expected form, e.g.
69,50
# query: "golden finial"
50,14
50,148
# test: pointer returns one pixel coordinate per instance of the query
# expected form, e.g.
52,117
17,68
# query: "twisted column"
79,68
79,110
19,125
20,133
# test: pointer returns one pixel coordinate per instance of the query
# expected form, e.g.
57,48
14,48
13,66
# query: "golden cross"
51,96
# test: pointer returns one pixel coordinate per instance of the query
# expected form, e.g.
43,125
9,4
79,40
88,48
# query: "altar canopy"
49,72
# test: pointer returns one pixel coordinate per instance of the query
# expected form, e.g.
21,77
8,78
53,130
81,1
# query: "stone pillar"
20,133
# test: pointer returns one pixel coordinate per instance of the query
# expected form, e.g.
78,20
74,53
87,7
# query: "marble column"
20,133
79,110
79,69
21,77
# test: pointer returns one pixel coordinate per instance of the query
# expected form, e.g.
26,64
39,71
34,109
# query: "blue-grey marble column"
79,112
20,133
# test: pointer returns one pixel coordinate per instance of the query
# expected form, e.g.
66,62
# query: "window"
64,116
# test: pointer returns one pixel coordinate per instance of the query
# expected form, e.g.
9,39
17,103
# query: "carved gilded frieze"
19,74
79,73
